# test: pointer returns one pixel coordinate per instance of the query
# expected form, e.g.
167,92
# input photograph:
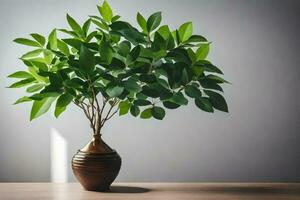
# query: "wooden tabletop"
153,191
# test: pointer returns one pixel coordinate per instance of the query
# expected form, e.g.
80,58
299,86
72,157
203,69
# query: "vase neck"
97,145
97,137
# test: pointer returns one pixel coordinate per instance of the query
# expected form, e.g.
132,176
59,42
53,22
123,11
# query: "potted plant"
116,68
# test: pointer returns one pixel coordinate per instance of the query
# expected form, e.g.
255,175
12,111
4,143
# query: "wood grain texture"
153,191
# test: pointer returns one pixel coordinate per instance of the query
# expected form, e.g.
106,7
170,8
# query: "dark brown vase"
96,165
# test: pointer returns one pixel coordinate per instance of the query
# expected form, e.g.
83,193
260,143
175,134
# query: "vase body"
96,165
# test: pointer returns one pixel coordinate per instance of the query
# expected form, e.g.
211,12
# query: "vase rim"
97,153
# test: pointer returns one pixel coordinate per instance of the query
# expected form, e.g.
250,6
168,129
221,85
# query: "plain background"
256,43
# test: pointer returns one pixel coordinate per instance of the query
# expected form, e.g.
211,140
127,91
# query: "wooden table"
153,191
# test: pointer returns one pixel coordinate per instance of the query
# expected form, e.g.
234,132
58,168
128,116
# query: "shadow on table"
127,189
251,190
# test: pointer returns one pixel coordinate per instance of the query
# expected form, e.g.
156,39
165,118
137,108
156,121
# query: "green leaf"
216,78
86,26
42,66
33,72
134,110
105,50
134,54
53,40
90,36
27,42
41,96
100,24
196,38
22,100
204,104
185,31
179,99
192,55
141,96
61,104
75,83
180,55
176,37
115,18
22,83
73,43
20,74
210,84
153,21
207,66
163,82
39,38
170,105
158,112
217,100
176,78
74,25
40,107
71,33
133,36
132,86
164,31
63,47
106,11
148,78
48,55
86,60
115,38
141,102
127,31
120,25
192,91
124,107
170,42
146,114
35,88
117,64
114,91
184,77
58,111
142,22
158,44
202,51
33,53
124,48
55,80
150,92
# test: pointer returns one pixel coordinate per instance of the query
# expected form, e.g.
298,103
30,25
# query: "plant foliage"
142,71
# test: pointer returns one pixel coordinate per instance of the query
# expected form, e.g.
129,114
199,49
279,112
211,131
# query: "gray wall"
255,42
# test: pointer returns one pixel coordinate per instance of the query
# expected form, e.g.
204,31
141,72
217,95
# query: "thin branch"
112,114
97,103
103,105
77,104
108,116
111,107
93,110
97,122
86,104
85,110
